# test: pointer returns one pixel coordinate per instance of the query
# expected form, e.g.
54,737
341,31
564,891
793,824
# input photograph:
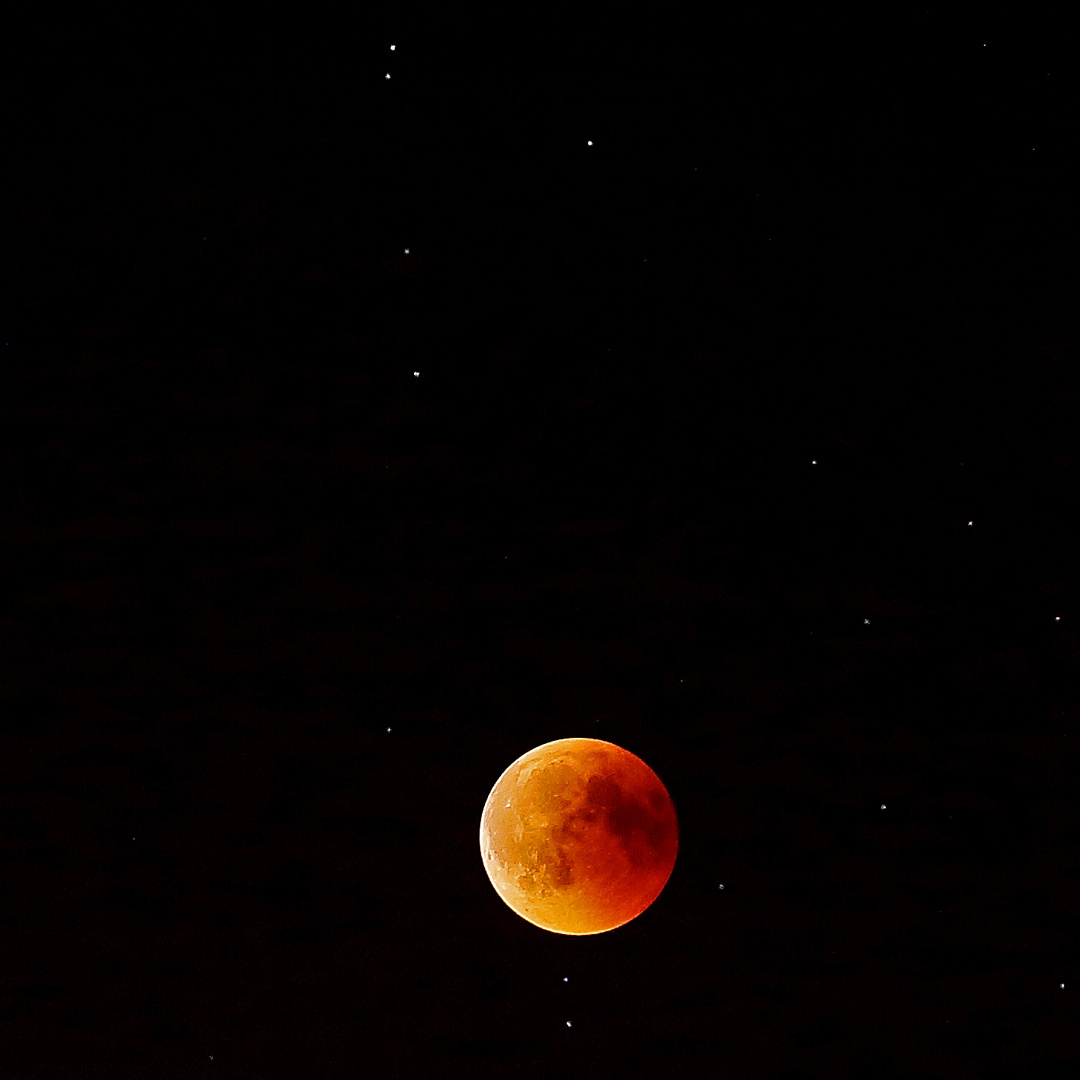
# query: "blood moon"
578,836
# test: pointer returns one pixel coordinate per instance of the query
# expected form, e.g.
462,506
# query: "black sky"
744,437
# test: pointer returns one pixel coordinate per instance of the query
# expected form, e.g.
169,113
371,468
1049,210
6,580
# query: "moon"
578,836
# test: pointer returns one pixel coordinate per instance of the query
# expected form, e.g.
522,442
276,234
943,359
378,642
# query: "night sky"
705,385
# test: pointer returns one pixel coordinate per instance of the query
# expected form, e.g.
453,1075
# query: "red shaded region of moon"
579,836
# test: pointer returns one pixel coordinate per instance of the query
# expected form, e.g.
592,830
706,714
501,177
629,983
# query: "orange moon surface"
578,836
